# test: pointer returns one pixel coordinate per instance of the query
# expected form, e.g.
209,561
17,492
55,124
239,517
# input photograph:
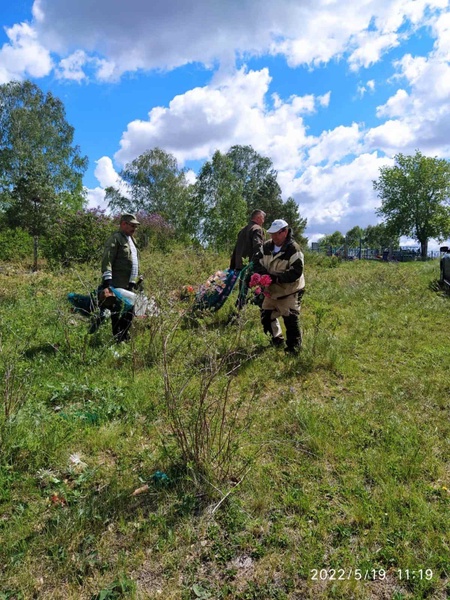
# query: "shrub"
206,416
77,237
15,244
322,260
154,231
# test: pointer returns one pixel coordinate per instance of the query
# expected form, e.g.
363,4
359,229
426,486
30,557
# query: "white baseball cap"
277,225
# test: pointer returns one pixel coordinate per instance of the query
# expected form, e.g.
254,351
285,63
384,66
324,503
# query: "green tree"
354,236
41,170
157,186
290,213
260,189
219,191
379,237
268,198
254,171
415,197
335,240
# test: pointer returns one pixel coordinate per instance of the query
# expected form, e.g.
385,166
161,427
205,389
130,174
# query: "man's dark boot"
292,350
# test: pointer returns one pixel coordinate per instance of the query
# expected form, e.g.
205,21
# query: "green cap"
129,218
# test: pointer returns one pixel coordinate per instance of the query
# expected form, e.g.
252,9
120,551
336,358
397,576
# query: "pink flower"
266,294
255,279
266,280
258,290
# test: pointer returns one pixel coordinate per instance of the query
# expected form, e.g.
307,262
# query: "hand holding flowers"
260,283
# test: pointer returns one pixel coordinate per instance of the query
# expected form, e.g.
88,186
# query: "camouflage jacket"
117,261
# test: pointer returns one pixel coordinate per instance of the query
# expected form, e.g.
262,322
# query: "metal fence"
405,254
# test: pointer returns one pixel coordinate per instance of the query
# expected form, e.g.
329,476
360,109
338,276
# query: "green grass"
278,467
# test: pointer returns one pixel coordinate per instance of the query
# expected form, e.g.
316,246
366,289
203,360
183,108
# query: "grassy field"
197,462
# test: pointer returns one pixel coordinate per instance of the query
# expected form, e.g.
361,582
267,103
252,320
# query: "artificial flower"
255,280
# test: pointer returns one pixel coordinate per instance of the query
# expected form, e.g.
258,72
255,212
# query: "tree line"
373,236
41,188
213,209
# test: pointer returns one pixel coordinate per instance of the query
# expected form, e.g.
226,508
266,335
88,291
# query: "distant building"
315,246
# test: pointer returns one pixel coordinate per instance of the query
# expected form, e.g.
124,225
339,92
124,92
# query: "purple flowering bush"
153,231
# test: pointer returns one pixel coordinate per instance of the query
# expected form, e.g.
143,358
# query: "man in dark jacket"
249,242
282,259
120,267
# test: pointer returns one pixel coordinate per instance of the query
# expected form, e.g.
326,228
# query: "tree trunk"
424,249
35,253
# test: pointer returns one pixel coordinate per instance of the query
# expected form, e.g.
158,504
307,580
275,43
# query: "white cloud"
325,99
442,31
23,55
233,111
72,67
107,176
411,68
191,177
106,70
162,35
333,146
125,37
368,87
371,46
429,77
105,172
95,198
323,32
340,195
391,136
397,105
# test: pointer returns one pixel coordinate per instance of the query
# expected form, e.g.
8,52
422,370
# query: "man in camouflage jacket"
120,266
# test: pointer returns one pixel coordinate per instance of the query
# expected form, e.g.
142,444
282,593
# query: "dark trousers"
241,299
121,323
291,322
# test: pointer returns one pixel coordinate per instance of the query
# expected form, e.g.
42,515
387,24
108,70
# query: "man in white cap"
282,259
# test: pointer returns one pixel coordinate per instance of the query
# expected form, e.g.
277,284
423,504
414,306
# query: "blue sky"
330,90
